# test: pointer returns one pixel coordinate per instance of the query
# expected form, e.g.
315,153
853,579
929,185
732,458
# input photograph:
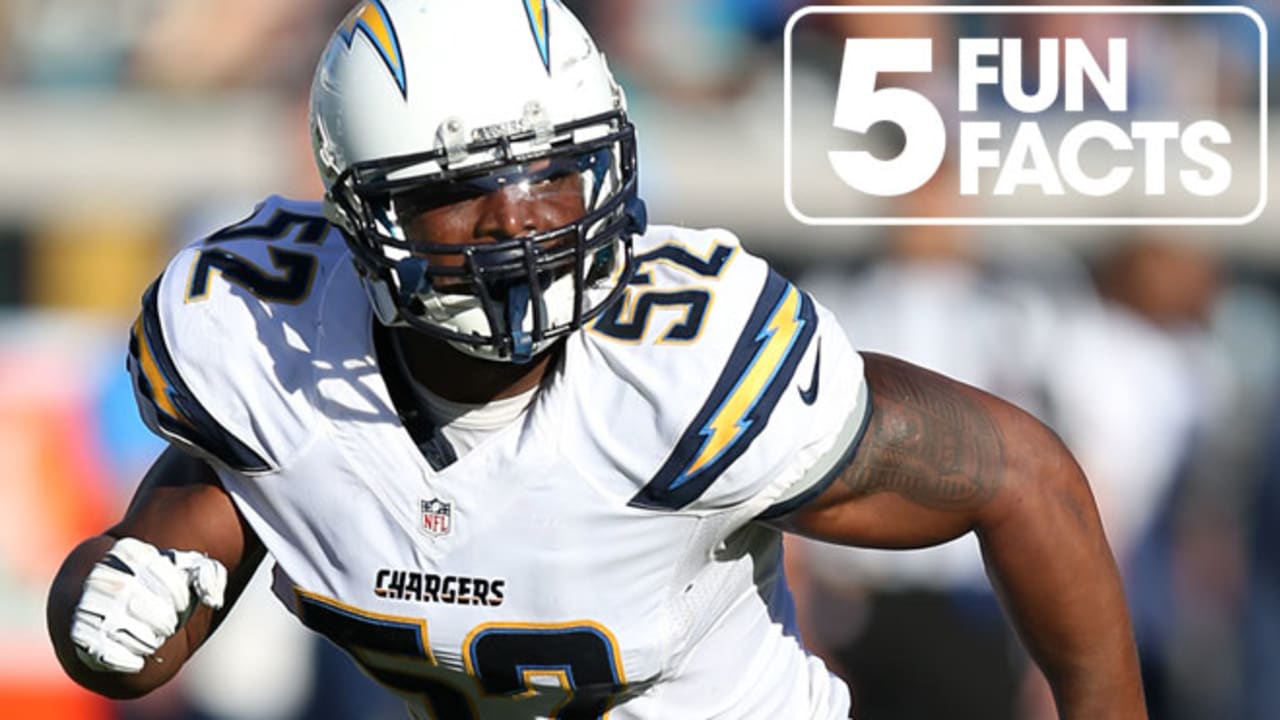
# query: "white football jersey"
599,557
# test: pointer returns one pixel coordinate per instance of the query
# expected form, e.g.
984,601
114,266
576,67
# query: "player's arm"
939,459
179,506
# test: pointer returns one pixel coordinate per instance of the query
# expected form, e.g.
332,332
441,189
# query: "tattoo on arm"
930,440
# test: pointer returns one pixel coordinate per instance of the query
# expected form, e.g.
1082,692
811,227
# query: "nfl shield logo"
436,516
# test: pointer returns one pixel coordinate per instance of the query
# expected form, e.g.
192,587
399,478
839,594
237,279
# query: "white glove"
136,597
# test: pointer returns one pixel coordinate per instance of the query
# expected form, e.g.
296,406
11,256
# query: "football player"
523,454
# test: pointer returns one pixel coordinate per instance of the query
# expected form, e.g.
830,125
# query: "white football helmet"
451,100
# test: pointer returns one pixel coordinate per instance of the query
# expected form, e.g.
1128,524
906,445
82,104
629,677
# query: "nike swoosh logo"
810,395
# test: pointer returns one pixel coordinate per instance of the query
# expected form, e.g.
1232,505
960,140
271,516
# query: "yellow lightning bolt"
372,19
537,12
728,423
536,9
151,369
371,16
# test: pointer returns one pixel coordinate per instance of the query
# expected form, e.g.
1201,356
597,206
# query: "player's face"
536,200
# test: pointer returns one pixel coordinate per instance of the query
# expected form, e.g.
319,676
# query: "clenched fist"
136,597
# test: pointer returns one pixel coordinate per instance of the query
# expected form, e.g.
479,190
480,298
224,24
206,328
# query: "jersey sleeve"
217,369
167,403
825,419
773,398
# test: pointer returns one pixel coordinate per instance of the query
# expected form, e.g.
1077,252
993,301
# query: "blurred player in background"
889,621
522,454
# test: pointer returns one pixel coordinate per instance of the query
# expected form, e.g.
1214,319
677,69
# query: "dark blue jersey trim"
758,370
190,422
312,228
777,510
710,267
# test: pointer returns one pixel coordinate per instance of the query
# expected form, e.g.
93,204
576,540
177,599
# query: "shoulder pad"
705,349
220,351
168,406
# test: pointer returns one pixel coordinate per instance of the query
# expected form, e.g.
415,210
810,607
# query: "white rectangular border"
1024,10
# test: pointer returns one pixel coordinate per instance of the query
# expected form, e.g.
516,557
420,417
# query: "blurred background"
131,127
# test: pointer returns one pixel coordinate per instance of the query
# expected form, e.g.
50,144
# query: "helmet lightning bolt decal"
371,19
757,372
541,28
